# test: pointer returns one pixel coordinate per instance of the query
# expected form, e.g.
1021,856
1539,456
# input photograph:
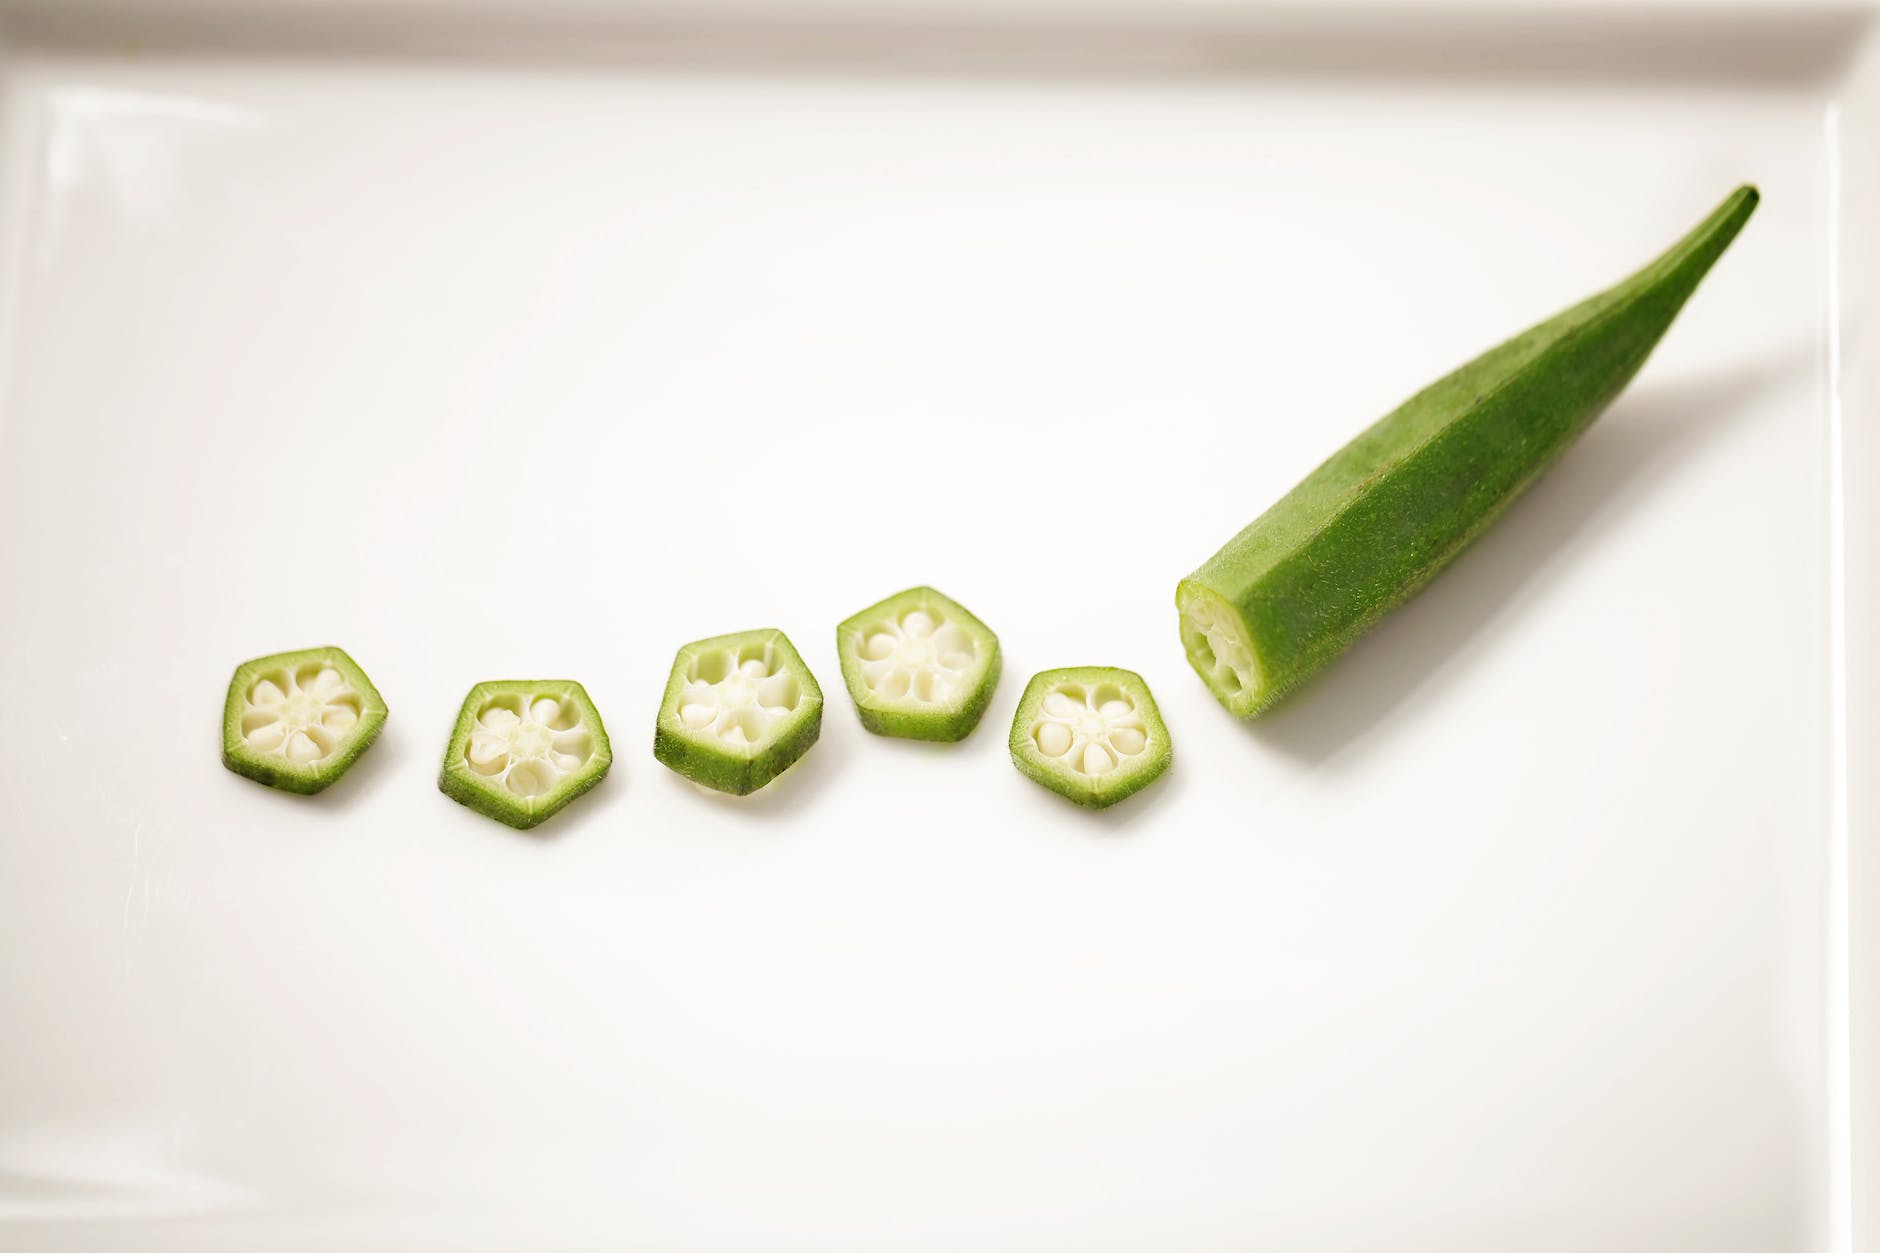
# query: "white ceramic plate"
508,340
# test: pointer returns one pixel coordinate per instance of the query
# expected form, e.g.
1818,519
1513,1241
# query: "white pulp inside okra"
737,698
919,656
528,745
1092,730
302,715
1215,641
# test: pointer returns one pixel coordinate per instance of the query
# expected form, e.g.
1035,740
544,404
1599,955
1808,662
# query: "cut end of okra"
298,721
738,711
1219,649
919,666
1090,733
523,749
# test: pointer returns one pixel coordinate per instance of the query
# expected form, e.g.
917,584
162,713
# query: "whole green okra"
1369,527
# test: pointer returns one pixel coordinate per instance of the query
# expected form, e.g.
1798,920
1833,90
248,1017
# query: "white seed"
1096,759
565,761
499,720
326,684
1114,709
267,738
1128,741
1058,705
1054,739
895,685
754,669
486,749
267,692
952,638
697,715
919,624
302,748
338,718
746,727
878,646
528,779
546,710
779,691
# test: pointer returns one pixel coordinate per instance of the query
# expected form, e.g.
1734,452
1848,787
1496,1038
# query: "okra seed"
1060,705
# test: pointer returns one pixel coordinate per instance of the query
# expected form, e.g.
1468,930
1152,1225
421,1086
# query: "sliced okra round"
1090,733
298,721
919,666
738,711
523,749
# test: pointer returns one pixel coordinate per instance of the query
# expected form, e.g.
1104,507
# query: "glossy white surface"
1516,931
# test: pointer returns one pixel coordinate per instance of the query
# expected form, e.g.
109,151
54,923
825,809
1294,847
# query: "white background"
1510,932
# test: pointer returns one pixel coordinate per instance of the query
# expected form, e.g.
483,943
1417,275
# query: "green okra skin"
1384,514
522,750
1092,734
918,666
738,711
298,720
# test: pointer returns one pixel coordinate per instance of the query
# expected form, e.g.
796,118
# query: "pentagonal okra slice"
918,666
1091,733
298,721
523,749
738,711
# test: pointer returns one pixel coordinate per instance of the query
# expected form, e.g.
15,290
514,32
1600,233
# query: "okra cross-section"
523,749
738,711
298,721
1090,733
919,666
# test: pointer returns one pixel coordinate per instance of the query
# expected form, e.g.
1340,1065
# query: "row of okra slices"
738,711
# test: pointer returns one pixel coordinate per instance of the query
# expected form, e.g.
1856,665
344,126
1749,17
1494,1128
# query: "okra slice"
738,711
523,749
1366,530
1091,733
298,721
919,666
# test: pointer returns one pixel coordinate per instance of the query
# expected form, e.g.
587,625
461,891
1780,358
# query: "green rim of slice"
1090,733
738,711
919,666
298,721
523,749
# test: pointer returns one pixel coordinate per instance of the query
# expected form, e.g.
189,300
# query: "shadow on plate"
1589,491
